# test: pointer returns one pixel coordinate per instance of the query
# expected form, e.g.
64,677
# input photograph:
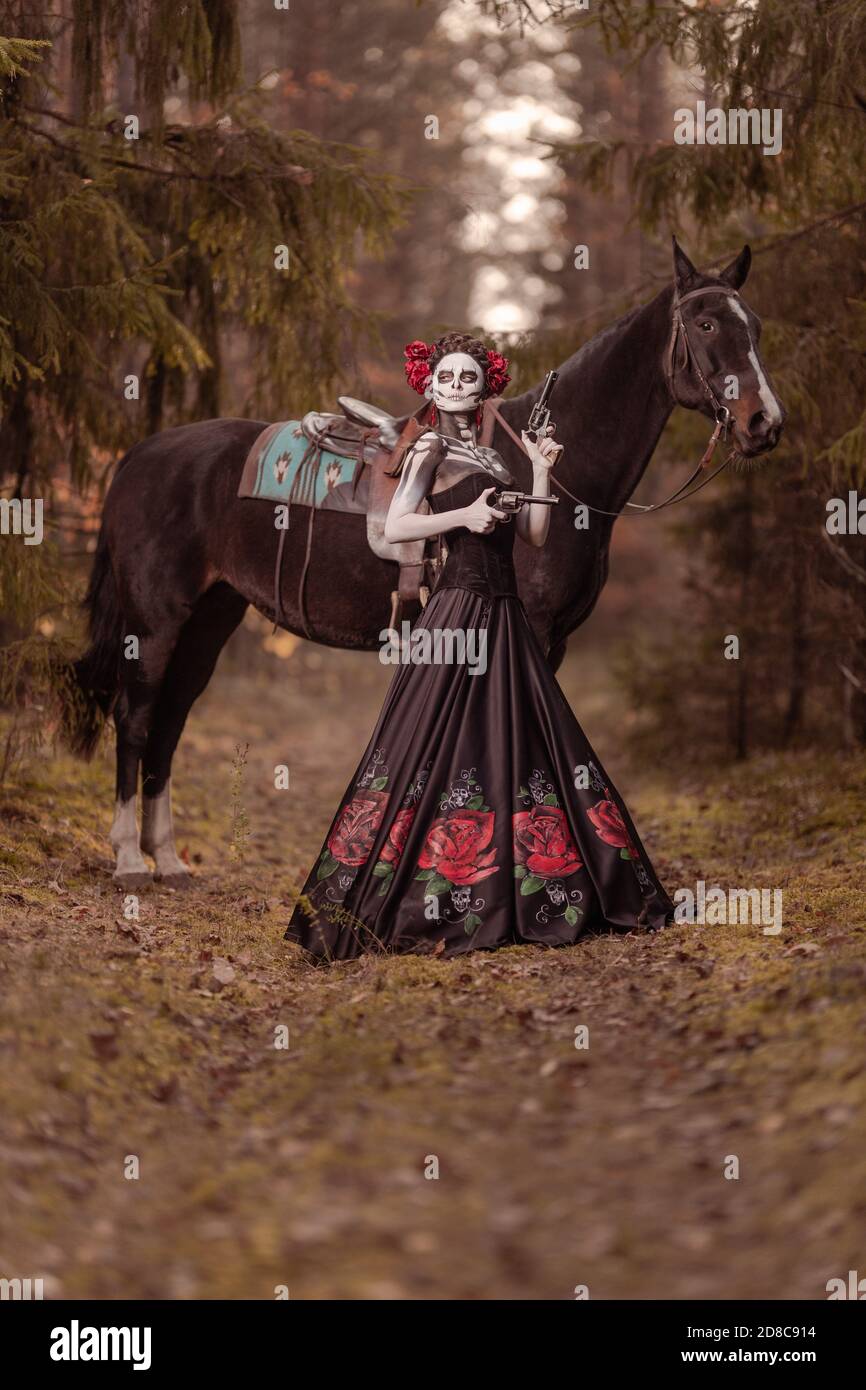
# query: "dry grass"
304,1166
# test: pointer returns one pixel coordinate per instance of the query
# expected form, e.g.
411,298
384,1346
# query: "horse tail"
94,680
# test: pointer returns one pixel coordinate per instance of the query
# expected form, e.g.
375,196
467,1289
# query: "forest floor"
304,1166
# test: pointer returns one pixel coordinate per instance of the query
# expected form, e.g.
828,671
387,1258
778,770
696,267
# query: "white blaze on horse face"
124,841
772,409
458,383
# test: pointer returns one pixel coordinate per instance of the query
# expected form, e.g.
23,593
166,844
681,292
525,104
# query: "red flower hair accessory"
496,376
418,373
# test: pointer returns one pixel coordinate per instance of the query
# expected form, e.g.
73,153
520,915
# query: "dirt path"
304,1165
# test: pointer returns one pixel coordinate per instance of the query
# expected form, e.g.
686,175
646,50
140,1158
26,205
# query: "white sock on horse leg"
124,840
157,834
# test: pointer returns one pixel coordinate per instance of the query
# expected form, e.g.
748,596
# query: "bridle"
679,336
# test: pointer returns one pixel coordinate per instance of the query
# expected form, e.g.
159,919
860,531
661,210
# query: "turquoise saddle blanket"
284,466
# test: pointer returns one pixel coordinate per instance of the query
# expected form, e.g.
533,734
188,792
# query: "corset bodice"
483,564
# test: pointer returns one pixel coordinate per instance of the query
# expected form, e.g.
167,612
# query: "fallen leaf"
222,971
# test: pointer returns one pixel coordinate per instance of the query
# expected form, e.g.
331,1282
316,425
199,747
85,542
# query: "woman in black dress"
479,815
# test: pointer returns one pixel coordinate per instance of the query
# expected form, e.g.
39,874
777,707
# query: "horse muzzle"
759,434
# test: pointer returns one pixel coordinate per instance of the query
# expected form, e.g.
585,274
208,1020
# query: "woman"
479,815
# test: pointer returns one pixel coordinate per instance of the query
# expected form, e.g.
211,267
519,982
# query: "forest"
509,167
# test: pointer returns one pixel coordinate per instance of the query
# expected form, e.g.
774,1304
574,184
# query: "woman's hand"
479,517
533,522
544,453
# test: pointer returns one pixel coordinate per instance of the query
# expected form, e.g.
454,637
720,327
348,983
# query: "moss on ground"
305,1166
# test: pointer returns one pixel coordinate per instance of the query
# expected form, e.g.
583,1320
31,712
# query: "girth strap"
305,481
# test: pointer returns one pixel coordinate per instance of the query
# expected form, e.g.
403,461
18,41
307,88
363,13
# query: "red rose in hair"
352,837
454,847
417,356
497,372
610,826
544,843
393,847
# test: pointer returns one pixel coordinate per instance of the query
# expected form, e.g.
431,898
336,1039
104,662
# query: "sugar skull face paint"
457,383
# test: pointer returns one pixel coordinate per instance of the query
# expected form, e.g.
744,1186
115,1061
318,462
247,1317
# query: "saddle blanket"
284,466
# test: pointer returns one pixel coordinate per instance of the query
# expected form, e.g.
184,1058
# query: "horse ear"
684,271
735,273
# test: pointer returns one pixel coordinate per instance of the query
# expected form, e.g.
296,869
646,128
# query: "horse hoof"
128,882
180,882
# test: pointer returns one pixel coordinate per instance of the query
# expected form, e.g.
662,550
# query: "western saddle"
378,441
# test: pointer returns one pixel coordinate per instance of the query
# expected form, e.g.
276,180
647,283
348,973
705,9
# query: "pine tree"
144,205
802,671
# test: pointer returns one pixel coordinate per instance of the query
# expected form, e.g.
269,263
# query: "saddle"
292,461
388,439
391,442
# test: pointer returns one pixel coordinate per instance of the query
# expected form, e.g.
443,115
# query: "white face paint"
458,383
772,409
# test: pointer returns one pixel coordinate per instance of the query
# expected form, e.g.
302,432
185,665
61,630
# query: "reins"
722,417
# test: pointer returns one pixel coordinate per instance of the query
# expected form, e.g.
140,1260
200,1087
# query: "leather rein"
679,334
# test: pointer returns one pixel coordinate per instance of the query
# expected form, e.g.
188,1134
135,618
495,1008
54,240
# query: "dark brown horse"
180,556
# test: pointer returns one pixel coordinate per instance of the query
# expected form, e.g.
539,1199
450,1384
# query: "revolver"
505,501
539,420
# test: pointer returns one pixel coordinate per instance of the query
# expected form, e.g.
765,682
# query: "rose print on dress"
544,844
351,839
457,851
545,852
610,827
392,851
456,847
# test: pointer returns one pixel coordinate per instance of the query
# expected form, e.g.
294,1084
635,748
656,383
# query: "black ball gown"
479,815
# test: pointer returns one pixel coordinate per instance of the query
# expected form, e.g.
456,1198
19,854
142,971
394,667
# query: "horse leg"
213,620
141,679
130,869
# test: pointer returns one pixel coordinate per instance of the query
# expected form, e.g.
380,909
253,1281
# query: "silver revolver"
539,421
505,501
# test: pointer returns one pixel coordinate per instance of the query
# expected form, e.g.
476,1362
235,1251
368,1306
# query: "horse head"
712,363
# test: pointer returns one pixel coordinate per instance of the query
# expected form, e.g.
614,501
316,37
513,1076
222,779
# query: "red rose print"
393,847
454,847
351,839
544,843
610,826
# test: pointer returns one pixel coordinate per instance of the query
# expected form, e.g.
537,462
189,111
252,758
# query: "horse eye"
706,326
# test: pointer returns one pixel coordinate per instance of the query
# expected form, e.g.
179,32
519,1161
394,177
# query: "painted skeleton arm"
404,521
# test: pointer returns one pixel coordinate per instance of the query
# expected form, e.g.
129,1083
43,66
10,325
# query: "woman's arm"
533,523
405,523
